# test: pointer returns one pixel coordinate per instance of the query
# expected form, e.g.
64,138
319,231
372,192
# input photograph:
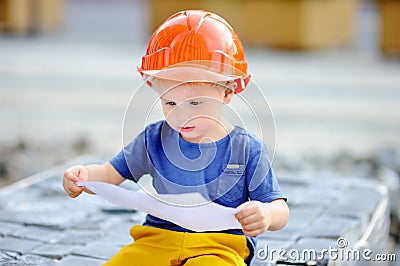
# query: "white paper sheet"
199,218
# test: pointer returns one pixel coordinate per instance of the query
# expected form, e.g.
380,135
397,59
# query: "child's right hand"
72,175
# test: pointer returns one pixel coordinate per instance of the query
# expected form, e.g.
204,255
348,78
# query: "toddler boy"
195,62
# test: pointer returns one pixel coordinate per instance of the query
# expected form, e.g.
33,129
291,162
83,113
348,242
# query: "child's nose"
183,113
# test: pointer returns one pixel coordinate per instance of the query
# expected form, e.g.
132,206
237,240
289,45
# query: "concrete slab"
334,227
7,229
78,260
98,249
42,234
54,251
10,258
21,246
80,237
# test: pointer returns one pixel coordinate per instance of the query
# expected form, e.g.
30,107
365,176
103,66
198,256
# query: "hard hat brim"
199,71
189,74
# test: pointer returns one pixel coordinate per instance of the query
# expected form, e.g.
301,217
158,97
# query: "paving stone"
80,237
55,219
14,259
59,214
90,201
350,211
42,234
7,255
8,228
50,188
312,196
363,199
97,249
283,234
368,189
18,245
261,263
55,251
300,217
97,221
19,199
81,261
308,196
30,260
354,209
53,204
356,203
113,209
118,240
119,235
12,217
328,226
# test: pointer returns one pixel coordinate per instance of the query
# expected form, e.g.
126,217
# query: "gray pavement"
40,225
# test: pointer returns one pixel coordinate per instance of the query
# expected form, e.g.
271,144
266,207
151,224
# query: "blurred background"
329,70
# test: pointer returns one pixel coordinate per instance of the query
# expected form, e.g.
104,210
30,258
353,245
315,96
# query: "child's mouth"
187,129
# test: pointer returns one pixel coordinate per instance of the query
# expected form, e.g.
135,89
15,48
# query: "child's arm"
257,217
94,172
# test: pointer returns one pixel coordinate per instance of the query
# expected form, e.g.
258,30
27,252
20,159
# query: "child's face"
194,109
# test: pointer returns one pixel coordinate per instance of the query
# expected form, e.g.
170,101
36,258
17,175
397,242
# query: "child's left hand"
255,217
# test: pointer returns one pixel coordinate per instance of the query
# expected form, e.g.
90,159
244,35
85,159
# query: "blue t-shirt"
229,172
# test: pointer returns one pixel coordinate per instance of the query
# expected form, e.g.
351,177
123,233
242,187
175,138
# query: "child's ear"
228,96
229,91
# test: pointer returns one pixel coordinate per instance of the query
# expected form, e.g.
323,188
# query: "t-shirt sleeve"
132,161
262,184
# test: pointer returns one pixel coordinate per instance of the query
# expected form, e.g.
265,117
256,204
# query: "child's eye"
170,103
195,103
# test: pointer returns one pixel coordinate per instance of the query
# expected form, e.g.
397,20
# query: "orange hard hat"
196,45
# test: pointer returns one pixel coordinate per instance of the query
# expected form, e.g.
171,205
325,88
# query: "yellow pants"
159,247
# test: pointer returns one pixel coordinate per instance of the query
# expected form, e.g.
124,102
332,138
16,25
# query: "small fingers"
252,218
245,211
246,220
253,233
73,191
254,228
69,185
69,175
